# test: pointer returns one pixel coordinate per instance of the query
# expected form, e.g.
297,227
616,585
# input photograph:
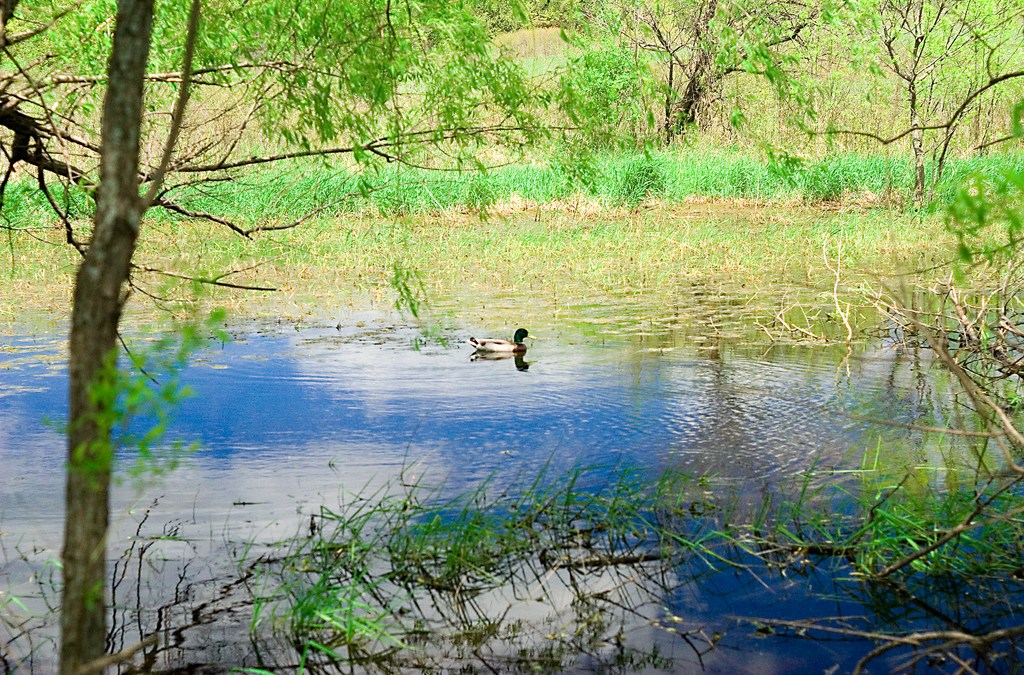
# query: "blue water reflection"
738,417
325,409
287,420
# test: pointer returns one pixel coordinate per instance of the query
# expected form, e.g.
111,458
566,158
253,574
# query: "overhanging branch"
377,146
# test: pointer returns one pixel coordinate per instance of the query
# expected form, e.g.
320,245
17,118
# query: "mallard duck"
495,345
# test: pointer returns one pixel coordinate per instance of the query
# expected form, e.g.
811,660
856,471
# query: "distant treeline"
930,81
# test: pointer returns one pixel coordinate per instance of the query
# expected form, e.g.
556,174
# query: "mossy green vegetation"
653,226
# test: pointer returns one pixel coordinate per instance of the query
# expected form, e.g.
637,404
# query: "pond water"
288,418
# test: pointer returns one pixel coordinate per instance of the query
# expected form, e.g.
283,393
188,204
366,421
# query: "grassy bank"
700,243
290,192
619,180
696,265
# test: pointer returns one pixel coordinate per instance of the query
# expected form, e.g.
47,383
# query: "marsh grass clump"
912,557
852,178
641,179
437,579
419,578
317,191
895,527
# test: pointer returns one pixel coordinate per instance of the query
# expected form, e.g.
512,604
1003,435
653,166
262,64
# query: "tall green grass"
282,194
279,195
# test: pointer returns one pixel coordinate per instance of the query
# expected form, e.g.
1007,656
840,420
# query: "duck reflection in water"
518,358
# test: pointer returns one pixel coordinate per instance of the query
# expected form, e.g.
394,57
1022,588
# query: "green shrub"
609,83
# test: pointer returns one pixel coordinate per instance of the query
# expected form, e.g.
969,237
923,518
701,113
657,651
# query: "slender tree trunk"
669,93
917,144
917,141
98,301
703,75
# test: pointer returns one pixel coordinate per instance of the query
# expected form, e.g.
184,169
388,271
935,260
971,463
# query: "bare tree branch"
179,107
176,76
378,146
7,40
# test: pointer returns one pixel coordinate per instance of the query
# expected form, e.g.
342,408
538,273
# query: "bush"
609,84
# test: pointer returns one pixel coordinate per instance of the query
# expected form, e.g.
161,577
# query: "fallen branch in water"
949,639
98,665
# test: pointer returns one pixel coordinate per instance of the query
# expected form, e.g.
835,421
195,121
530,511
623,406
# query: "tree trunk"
703,76
6,12
698,88
98,301
917,145
917,142
669,93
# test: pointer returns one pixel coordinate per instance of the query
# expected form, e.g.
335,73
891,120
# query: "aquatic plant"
396,575
418,578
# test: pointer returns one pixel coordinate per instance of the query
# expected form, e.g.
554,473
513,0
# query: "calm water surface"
287,419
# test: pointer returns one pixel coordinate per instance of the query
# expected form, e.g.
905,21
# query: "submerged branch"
949,639
969,522
946,431
210,281
104,662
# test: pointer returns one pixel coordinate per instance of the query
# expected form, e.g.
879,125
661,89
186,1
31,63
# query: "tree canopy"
374,81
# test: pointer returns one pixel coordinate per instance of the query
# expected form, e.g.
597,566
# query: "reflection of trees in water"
560,608
548,576
174,607
758,420
767,421
551,618
574,593
177,603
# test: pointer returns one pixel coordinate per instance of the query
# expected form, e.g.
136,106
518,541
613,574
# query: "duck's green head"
520,335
